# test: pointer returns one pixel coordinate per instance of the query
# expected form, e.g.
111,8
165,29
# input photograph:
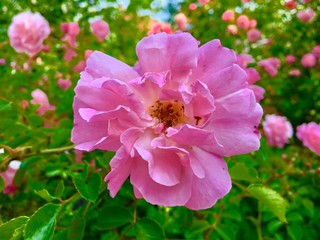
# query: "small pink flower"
100,29
253,35
232,29
203,2
270,65
181,20
71,31
243,22
27,32
193,6
306,15
295,73
228,16
290,59
253,23
69,54
316,51
290,4
87,53
24,104
64,84
278,130
8,177
244,59
39,97
309,135
245,1
308,60
157,27
2,61
170,123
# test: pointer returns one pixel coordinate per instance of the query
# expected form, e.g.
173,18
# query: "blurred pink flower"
192,6
228,16
316,51
171,124
232,29
308,60
253,35
309,135
278,130
253,23
243,22
305,1
181,20
71,31
290,4
100,29
157,27
69,53
81,65
64,84
24,104
306,15
2,61
39,97
270,65
203,2
27,32
290,59
245,1
244,59
295,73
8,177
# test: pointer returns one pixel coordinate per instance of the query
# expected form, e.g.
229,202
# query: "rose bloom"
308,60
193,6
71,31
243,22
100,29
64,84
290,4
170,121
295,73
253,23
309,135
203,2
316,51
278,130
8,177
232,29
181,20
306,15
156,27
27,32
270,65
290,59
39,97
253,35
2,61
228,16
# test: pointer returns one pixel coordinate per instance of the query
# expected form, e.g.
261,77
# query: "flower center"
168,112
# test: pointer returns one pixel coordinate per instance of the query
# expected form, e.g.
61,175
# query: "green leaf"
148,229
43,193
76,230
4,105
271,199
18,233
309,205
112,217
7,229
59,189
89,191
197,227
2,184
41,223
295,231
242,172
225,232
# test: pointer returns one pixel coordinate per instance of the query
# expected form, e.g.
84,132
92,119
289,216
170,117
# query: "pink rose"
156,27
8,177
306,15
308,60
243,22
71,31
2,61
100,29
181,20
203,2
270,65
40,98
290,59
244,59
295,73
27,32
192,6
228,16
232,29
278,130
253,23
253,35
290,4
64,84
316,51
309,135
169,125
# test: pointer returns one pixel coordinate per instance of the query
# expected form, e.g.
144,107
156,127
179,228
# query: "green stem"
258,223
48,151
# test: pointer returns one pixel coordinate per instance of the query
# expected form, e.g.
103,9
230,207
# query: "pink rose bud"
253,35
270,65
309,135
181,20
40,98
278,130
243,22
232,29
100,29
308,60
228,16
192,6
290,59
24,104
64,84
203,2
8,177
295,73
27,32
316,51
306,15
253,23
290,4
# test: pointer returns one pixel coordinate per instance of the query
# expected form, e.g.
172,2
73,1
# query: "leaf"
148,229
271,199
43,193
225,232
197,227
112,217
4,105
89,191
2,184
295,231
7,229
59,189
309,205
41,223
241,172
76,230
18,233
